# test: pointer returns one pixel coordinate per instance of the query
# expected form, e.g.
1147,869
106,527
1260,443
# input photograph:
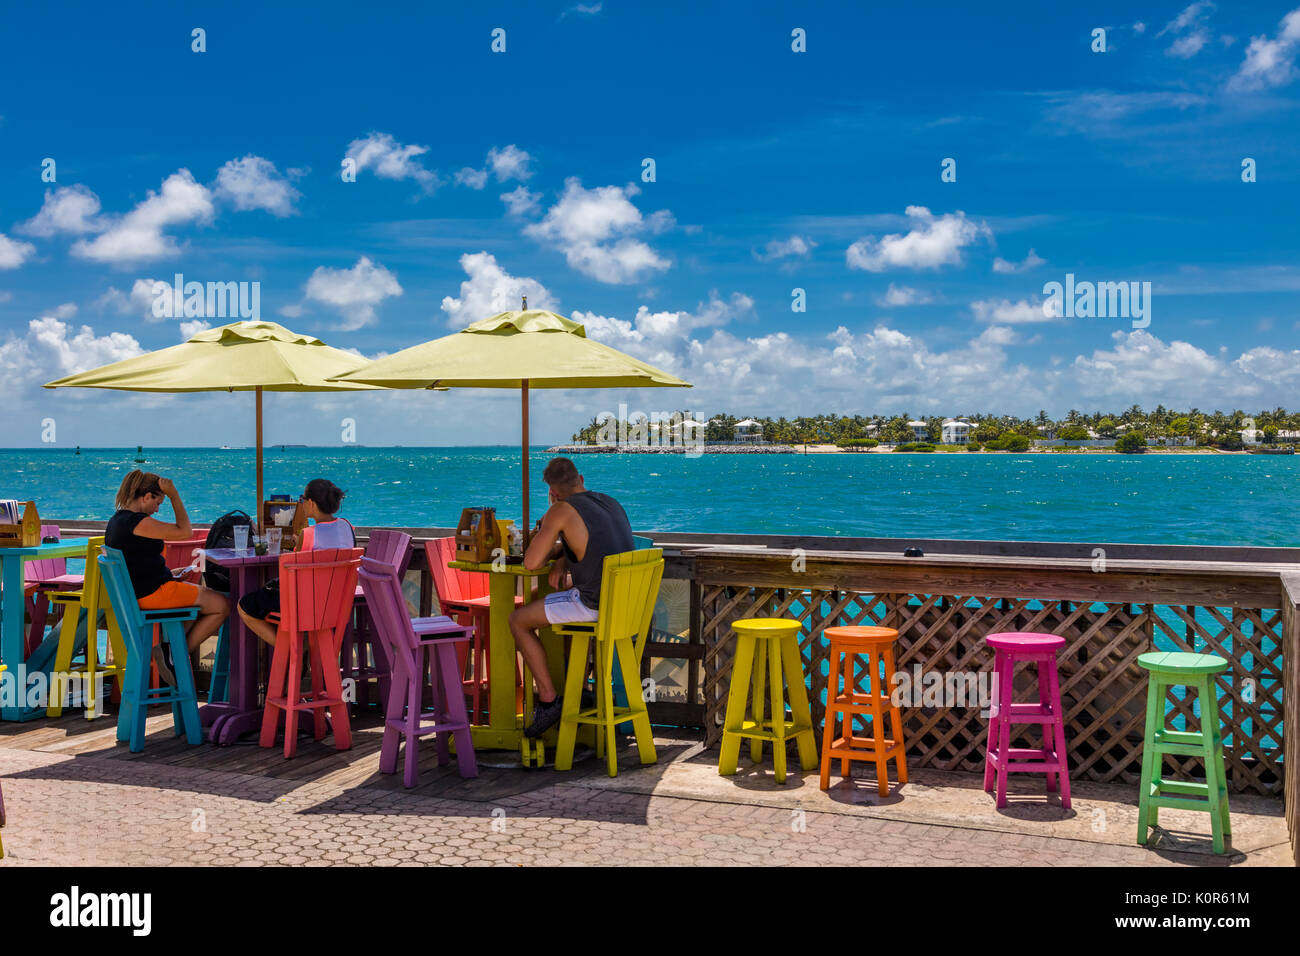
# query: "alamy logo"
951,689
207,300
1102,300
74,909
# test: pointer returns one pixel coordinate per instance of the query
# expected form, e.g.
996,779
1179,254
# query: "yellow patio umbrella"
524,350
239,357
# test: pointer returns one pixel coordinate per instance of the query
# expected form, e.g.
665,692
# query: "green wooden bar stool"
767,651
1178,669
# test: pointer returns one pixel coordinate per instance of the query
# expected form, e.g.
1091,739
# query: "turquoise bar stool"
1179,669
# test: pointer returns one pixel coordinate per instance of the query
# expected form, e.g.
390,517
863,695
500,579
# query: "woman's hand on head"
166,487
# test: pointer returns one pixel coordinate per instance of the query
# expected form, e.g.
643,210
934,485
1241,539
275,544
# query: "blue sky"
775,170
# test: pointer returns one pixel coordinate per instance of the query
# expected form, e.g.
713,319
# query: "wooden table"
11,625
227,722
505,727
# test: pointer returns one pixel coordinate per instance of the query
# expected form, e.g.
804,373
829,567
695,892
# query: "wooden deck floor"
500,773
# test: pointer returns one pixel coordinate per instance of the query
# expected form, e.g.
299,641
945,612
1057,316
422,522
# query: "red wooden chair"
317,589
463,596
363,658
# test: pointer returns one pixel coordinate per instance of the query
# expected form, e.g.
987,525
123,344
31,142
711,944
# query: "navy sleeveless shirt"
608,532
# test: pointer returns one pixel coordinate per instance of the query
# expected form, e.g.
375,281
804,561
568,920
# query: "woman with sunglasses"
135,532
320,502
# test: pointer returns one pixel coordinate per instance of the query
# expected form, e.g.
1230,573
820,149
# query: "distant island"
1133,430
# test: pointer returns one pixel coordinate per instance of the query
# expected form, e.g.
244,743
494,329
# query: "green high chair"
1179,669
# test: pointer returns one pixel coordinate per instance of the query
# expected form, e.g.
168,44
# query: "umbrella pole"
257,511
527,529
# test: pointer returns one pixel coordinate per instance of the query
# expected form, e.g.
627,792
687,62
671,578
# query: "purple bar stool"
1002,758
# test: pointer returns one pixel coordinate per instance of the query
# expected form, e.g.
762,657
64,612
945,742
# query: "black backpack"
222,535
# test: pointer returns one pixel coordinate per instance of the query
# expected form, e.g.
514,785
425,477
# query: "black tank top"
608,532
144,556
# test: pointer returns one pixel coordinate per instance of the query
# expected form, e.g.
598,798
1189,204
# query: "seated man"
579,529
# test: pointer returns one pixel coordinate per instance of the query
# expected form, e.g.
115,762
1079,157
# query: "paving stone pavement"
89,811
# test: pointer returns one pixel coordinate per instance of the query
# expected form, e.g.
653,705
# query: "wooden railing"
1111,602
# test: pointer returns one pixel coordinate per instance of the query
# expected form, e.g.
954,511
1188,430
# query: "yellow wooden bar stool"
90,599
767,651
629,587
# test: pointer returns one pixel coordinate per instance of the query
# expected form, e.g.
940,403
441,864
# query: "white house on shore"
956,432
749,431
920,430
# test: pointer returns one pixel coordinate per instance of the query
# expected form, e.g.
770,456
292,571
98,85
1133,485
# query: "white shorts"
566,607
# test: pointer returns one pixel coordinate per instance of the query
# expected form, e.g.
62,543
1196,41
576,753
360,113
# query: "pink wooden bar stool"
1002,758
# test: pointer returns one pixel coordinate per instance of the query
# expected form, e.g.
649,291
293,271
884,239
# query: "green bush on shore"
915,446
973,446
1131,443
1009,442
855,443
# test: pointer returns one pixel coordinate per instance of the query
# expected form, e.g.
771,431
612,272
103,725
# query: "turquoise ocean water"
1153,499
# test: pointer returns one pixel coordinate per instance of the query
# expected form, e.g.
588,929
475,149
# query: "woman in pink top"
321,503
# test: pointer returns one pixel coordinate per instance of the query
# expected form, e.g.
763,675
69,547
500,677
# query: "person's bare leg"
214,608
259,627
524,624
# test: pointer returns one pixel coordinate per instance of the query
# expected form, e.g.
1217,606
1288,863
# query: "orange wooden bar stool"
876,646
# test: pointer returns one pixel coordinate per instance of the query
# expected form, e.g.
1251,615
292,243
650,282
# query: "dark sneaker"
545,716
163,661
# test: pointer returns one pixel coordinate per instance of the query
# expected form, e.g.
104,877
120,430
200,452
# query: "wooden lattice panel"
1103,689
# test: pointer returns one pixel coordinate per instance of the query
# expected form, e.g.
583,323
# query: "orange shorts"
172,594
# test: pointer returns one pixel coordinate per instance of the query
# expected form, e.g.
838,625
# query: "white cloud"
794,247
391,160
291,311
1007,312
509,162
471,177
1189,30
255,183
73,210
594,227
519,201
52,349
14,252
853,371
1186,47
931,243
140,299
138,236
898,295
664,329
489,290
353,292
192,327
583,9
1146,369
1031,261
1270,62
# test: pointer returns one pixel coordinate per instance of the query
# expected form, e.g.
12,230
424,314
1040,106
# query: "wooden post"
257,510
1290,614
527,529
